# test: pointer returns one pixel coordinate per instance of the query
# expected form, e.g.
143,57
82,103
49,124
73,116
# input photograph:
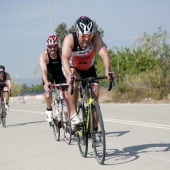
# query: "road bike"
90,113
2,109
61,120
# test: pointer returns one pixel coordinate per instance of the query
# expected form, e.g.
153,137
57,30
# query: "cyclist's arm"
102,50
43,67
66,54
8,81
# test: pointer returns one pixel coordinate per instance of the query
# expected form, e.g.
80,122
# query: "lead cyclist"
78,55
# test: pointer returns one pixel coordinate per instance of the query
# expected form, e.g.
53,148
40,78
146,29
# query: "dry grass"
131,97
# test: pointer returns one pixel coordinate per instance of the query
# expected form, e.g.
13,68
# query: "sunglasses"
87,36
1,72
52,46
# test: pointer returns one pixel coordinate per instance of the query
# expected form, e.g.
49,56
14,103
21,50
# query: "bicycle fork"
88,126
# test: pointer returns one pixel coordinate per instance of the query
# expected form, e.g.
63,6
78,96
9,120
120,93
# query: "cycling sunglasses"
1,72
52,46
86,36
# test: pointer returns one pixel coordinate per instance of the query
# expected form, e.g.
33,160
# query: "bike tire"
56,129
3,116
100,151
82,135
66,126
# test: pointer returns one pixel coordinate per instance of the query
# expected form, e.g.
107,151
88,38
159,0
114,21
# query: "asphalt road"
137,137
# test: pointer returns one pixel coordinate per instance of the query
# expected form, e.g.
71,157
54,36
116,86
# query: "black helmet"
2,68
84,25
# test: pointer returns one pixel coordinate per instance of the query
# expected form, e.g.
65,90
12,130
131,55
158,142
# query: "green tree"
61,31
16,89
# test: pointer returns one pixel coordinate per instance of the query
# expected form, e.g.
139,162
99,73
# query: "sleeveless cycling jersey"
82,59
54,66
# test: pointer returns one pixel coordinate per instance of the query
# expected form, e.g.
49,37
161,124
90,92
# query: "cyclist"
50,64
78,54
5,85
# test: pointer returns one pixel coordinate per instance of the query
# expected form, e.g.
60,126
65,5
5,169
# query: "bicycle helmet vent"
84,25
52,40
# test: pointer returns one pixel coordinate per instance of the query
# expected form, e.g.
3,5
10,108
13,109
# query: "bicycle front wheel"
3,117
98,133
56,129
66,124
82,135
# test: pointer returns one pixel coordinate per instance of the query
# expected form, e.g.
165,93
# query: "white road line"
159,126
27,111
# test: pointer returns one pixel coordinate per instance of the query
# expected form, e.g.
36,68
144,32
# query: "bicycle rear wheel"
98,133
82,135
66,124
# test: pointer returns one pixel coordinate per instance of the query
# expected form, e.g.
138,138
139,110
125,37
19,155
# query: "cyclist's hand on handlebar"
110,76
47,87
70,79
10,91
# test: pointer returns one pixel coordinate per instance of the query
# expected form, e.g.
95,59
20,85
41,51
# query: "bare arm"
101,49
8,81
66,54
43,66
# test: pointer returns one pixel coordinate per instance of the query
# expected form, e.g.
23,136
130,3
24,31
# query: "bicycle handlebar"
90,79
59,85
56,85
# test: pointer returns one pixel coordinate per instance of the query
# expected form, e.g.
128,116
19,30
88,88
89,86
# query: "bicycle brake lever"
111,83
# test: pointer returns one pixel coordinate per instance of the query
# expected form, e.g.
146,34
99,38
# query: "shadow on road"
26,123
116,134
132,153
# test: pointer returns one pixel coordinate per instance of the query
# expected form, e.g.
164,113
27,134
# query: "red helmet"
52,40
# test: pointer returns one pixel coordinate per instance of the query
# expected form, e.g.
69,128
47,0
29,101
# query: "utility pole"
51,17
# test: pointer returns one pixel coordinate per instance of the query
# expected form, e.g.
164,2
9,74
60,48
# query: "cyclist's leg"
95,88
6,96
48,100
65,97
72,99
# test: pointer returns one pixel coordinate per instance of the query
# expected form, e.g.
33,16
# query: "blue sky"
25,24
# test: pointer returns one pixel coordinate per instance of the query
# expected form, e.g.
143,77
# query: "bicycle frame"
60,122
58,91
